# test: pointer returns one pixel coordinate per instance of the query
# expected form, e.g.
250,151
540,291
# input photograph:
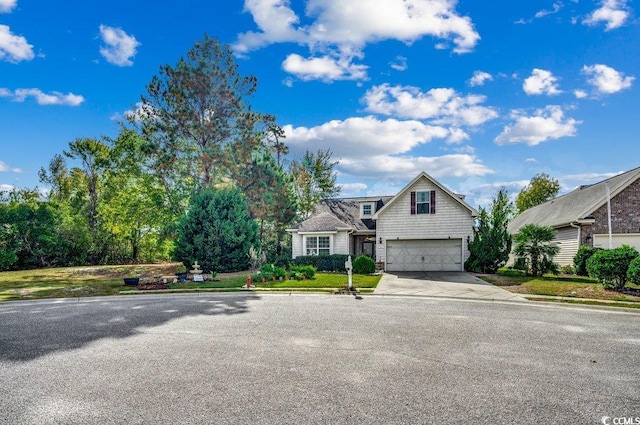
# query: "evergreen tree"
489,250
217,231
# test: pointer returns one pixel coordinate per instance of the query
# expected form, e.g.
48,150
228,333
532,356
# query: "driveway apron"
442,284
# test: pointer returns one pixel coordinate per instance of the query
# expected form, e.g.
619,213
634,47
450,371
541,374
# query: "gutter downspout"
577,226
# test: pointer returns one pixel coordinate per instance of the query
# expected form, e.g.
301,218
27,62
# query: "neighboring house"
425,227
581,217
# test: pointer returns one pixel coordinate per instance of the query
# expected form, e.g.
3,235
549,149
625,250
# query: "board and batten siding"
451,220
567,239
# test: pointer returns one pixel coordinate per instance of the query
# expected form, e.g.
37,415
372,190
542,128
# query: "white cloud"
541,81
596,177
607,80
351,189
545,124
5,168
556,8
479,78
613,12
323,68
580,94
345,27
14,48
53,98
6,6
119,46
482,194
399,63
533,160
442,105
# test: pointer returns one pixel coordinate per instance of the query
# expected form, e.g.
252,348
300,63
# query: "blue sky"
478,97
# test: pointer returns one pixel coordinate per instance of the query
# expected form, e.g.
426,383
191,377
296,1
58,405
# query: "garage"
424,255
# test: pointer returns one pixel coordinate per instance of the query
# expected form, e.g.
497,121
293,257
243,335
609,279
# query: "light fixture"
380,239
588,238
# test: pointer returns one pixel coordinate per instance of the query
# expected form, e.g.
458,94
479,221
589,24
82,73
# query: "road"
285,359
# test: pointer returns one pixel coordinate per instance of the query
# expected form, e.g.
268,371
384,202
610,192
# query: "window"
422,202
318,245
366,210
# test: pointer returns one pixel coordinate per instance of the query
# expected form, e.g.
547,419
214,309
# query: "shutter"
413,203
432,204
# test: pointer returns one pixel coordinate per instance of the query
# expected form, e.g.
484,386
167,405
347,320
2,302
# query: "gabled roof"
424,175
340,214
576,205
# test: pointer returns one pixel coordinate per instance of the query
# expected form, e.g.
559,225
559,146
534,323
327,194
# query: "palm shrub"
610,266
364,265
581,257
633,273
534,244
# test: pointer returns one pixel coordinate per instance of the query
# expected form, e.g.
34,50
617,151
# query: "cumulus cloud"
119,47
53,98
442,105
323,68
614,13
580,94
5,168
479,78
399,63
350,189
388,143
541,81
6,6
14,48
546,124
605,79
345,27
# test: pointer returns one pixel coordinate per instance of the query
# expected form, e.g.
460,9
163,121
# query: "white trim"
323,233
317,235
369,204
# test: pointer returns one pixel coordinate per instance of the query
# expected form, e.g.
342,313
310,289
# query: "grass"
560,286
91,281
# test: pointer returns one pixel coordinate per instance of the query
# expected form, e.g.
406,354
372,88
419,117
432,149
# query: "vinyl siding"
567,240
451,220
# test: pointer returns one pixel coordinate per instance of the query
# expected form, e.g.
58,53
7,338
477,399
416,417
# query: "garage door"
424,255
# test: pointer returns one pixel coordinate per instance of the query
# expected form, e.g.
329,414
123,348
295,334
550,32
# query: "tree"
192,111
314,179
541,188
489,250
534,244
217,231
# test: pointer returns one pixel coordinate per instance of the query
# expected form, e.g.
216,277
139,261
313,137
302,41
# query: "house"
425,227
581,217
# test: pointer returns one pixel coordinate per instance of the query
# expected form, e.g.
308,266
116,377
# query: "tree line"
193,145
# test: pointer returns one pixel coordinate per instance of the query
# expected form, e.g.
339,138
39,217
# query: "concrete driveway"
442,284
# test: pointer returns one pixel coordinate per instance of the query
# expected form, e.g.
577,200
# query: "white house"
425,227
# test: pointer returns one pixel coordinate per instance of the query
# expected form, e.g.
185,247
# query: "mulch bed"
151,286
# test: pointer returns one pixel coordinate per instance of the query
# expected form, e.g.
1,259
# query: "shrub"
535,244
610,266
324,263
364,265
566,269
633,273
581,257
307,271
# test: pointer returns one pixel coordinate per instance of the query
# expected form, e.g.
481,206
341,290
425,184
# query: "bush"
567,269
581,257
307,271
610,266
633,273
324,263
364,265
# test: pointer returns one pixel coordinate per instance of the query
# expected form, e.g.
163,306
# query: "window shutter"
413,203
433,202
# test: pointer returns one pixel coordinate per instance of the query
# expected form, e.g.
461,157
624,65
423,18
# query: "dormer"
367,208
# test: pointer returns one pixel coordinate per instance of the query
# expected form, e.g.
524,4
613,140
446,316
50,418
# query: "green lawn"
563,286
107,280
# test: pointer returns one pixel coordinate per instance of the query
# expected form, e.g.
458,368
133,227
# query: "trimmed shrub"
323,263
581,257
610,266
633,273
307,271
364,265
567,269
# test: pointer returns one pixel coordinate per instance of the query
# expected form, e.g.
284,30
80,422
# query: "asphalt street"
285,359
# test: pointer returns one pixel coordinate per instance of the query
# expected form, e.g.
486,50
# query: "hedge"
323,263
